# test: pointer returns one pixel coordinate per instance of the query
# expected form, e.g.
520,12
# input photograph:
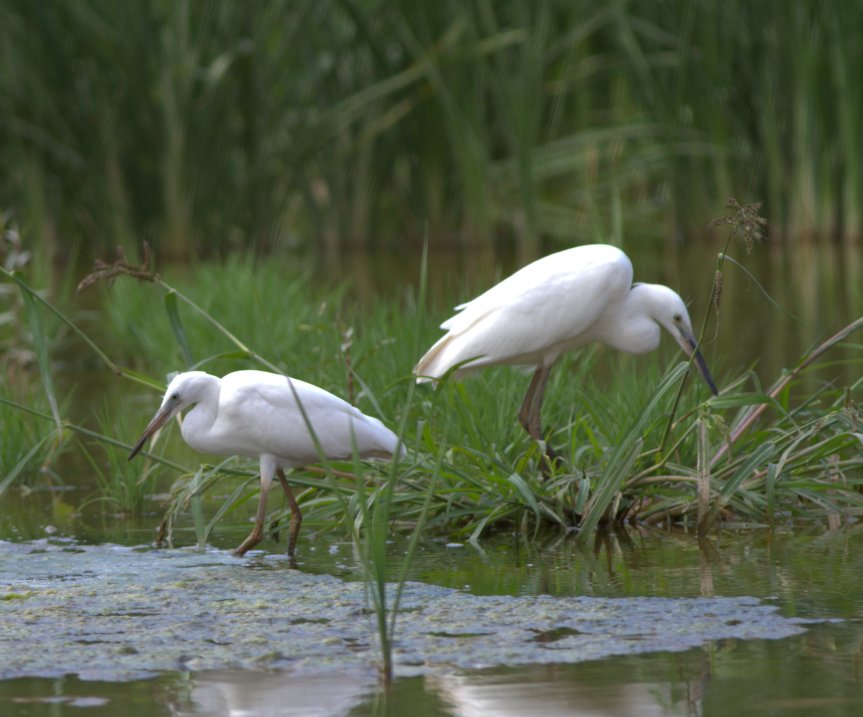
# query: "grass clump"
639,444
122,487
29,441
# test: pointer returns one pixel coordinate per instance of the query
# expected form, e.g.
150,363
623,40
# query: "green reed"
28,440
364,122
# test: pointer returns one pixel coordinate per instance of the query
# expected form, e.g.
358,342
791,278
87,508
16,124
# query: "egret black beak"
163,415
690,346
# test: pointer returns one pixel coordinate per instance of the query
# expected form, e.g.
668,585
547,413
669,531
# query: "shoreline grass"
626,460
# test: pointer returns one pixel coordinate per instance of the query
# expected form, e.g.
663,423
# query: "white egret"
556,304
257,414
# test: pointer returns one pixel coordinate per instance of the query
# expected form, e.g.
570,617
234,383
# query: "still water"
810,573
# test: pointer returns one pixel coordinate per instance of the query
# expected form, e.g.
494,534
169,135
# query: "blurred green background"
213,125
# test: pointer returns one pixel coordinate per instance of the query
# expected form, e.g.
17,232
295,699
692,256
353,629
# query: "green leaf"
624,455
526,493
770,488
583,495
196,505
40,345
477,532
228,503
13,474
749,465
736,400
177,327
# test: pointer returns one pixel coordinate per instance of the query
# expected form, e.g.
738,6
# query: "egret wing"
270,410
542,307
552,279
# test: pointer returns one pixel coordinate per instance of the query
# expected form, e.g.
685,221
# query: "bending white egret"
553,305
257,414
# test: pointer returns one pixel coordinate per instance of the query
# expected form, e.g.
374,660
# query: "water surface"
813,574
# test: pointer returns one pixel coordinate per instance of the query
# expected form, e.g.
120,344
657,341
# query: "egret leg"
525,413
534,420
258,531
530,413
296,513
268,467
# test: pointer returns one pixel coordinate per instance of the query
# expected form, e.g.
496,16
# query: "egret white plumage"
556,304
256,414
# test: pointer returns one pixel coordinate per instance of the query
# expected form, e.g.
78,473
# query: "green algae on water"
117,613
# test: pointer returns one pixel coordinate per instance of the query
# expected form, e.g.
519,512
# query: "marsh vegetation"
637,444
319,183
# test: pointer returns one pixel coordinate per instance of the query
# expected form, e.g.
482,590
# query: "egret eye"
677,318
175,396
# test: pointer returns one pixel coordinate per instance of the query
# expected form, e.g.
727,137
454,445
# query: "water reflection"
547,691
232,693
815,572
708,554
818,671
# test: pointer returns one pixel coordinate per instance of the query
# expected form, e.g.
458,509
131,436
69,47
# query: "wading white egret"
256,414
556,304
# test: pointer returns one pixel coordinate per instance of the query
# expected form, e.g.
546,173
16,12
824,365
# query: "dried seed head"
744,218
102,271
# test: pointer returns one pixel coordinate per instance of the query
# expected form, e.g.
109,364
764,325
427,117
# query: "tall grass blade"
702,475
40,345
177,327
415,537
226,505
10,477
196,505
93,434
781,383
217,325
623,457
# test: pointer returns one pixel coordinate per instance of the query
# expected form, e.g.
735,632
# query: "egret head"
668,309
184,390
